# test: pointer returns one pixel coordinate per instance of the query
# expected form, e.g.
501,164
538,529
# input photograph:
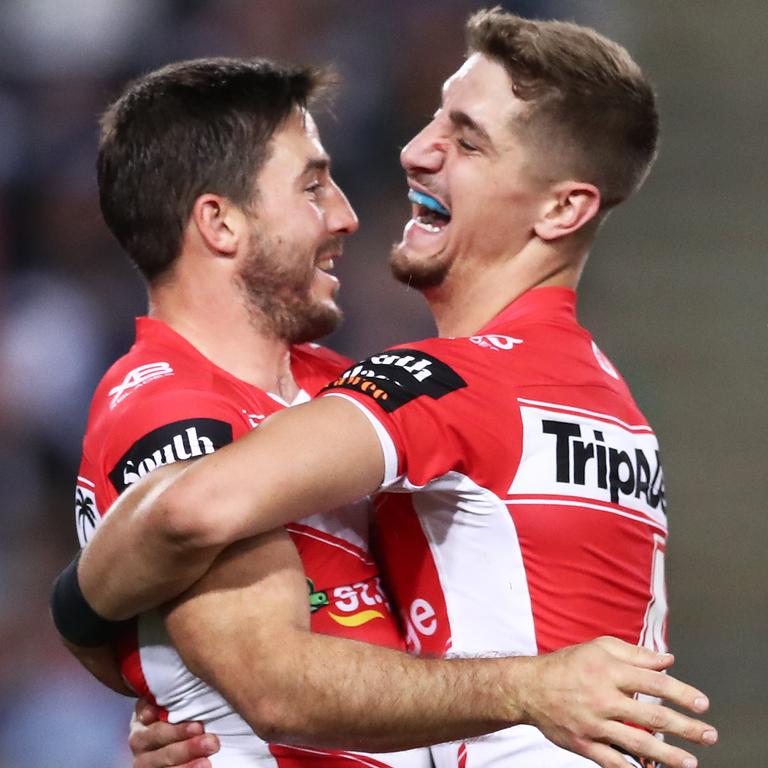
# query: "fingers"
641,743
160,734
157,744
666,687
635,654
605,756
656,717
146,713
192,753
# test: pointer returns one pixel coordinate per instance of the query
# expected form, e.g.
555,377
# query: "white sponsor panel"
577,453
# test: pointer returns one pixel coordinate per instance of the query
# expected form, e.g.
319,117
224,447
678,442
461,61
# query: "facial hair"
276,280
419,275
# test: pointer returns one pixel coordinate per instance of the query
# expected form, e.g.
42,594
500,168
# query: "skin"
581,696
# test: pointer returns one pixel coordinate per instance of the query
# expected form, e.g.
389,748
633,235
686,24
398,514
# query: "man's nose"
424,152
341,217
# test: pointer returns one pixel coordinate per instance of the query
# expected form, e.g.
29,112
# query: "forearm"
102,663
163,533
135,561
333,693
244,629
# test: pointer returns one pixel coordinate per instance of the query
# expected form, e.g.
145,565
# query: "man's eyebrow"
463,120
317,164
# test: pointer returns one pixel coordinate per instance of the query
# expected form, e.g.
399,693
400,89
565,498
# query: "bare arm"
244,629
102,663
174,522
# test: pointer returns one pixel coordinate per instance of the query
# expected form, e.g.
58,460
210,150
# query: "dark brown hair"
186,129
591,112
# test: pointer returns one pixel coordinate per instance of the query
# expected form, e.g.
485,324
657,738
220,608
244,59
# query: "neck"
215,320
473,294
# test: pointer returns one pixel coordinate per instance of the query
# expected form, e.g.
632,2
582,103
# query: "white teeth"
325,265
427,227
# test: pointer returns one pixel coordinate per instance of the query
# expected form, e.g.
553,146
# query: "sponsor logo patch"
575,453
87,515
495,342
604,362
396,377
179,441
138,377
347,605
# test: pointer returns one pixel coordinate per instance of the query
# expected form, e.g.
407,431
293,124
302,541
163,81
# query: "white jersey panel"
184,695
475,547
593,459
520,747
351,523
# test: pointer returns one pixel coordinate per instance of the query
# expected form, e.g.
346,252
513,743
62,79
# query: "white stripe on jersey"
477,557
387,445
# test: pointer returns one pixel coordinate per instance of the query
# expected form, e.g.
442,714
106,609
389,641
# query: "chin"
315,322
415,272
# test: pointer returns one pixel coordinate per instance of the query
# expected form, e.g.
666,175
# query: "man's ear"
219,223
572,205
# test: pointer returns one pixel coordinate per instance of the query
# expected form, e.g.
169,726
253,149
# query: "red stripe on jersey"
552,499
130,664
418,593
462,755
586,577
571,410
298,757
334,541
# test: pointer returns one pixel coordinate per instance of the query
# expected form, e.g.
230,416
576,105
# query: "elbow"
187,521
278,721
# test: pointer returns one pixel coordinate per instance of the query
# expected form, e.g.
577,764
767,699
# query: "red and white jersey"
524,506
164,402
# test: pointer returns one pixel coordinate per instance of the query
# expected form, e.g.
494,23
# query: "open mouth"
325,261
428,212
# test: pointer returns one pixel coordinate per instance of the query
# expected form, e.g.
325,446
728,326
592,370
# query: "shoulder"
314,366
156,398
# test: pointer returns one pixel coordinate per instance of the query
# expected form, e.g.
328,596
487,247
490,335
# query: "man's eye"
314,188
465,145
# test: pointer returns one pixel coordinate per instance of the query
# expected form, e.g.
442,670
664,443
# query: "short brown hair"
592,113
192,127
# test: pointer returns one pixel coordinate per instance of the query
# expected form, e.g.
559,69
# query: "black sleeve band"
76,621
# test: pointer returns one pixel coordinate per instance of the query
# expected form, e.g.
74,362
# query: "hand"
581,698
156,744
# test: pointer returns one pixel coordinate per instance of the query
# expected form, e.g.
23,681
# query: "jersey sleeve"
414,399
127,443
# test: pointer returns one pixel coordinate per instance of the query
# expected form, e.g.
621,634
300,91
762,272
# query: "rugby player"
514,434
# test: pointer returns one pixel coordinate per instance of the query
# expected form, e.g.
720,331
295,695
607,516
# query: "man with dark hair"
524,504
235,237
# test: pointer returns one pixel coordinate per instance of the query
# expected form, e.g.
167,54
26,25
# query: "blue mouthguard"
428,202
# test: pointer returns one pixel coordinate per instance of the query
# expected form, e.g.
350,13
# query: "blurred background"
675,293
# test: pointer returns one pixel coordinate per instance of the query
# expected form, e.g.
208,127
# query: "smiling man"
522,502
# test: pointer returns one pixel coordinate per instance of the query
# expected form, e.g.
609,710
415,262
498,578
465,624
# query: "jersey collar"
549,303
156,331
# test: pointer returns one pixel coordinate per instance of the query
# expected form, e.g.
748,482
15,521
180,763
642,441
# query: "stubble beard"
277,287
419,275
